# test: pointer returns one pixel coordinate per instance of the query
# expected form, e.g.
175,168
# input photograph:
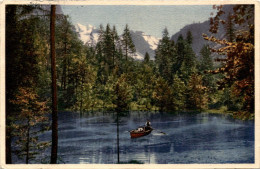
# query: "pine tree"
179,56
196,93
162,95
12,29
143,86
163,55
123,94
206,62
116,47
146,58
84,96
32,121
108,48
189,37
21,62
178,93
238,66
127,43
185,59
64,36
205,65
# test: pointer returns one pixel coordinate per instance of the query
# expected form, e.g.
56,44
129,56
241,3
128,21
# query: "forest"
105,77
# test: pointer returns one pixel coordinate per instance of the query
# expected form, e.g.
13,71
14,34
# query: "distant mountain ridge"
87,34
143,43
147,43
197,29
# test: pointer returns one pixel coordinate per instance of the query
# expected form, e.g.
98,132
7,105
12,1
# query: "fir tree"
189,37
185,59
127,43
32,121
146,58
205,65
196,93
178,93
123,94
238,66
180,54
164,54
22,54
162,95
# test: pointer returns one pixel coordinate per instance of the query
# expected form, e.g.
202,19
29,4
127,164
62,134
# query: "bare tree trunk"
11,21
54,147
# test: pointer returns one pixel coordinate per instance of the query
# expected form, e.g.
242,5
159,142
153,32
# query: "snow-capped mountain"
152,41
143,43
88,34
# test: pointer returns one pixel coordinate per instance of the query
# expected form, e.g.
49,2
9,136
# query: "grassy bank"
235,114
221,110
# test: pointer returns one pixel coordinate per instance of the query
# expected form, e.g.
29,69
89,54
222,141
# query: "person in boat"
140,129
147,125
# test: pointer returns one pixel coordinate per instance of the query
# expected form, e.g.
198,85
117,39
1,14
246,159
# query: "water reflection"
197,138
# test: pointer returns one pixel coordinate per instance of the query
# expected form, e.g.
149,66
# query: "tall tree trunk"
54,148
12,37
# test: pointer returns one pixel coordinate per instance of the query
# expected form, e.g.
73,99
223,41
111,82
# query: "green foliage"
189,37
143,87
178,93
31,121
162,95
122,94
127,43
185,59
85,98
206,65
238,64
164,54
196,93
229,28
206,62
105,76
24,50
146,58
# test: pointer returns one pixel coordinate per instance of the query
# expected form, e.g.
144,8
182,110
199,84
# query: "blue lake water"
190,138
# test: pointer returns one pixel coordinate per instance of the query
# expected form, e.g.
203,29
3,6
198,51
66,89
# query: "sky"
149,19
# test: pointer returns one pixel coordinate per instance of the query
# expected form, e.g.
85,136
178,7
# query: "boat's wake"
157,134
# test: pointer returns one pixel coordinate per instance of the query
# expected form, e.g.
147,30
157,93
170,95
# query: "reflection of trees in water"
117,131
118,115
188,137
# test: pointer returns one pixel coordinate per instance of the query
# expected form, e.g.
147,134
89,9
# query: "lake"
190,138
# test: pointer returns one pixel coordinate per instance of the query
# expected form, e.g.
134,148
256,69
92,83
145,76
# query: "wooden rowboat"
141,131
